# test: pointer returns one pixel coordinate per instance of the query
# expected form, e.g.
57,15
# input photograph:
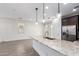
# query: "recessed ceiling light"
46,7
74,10
65,3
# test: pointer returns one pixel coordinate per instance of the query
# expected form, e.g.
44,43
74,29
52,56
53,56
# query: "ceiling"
27,11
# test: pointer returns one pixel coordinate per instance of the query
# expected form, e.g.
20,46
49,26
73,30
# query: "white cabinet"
43,50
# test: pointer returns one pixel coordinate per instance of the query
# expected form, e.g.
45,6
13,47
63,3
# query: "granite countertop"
62,46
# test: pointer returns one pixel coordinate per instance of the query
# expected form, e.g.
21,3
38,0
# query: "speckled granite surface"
65,47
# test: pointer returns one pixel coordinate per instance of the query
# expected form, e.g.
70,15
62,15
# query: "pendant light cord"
58,7
36,13
43,11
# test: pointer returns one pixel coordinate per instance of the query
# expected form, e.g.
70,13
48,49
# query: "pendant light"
59,14
36,16
43,14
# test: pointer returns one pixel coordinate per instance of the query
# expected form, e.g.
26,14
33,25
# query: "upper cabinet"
70,20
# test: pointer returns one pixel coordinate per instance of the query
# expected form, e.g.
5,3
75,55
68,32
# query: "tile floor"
17,48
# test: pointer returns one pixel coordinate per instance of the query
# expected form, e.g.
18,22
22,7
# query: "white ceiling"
27,10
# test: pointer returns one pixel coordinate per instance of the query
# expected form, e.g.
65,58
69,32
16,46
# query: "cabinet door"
70,20
64,22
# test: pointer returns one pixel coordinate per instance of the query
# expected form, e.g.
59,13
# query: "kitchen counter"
65,47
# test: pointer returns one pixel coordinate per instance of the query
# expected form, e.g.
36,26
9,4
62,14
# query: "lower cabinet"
43,50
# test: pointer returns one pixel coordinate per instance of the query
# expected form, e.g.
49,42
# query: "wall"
9,29
34,30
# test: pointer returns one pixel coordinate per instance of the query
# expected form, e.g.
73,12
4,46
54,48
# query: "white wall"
9,29
33,29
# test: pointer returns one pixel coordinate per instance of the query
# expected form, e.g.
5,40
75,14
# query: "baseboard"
14,39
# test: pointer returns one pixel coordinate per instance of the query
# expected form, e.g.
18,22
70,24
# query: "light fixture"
59,14
43,14
65,3
74,10
46,7
36,23
43,21
36,16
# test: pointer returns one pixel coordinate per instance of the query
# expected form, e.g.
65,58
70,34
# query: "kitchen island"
56,47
